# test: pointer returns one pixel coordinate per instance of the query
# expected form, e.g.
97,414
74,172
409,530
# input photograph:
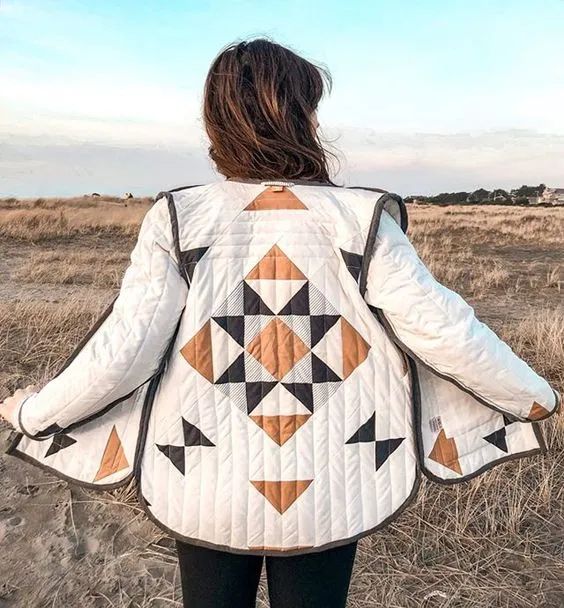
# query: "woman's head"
260,103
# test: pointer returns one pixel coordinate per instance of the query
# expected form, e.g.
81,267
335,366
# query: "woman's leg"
312,580
217,579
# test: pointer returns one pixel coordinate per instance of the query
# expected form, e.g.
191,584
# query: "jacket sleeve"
439,329
125,351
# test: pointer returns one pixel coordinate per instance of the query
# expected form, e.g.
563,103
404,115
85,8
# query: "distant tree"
527,191
499,194
479,195
460,197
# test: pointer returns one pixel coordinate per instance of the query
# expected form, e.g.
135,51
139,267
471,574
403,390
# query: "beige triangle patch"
445,452
113,459
273,199
275,294
198,352
276,265
281,428
280,402
355,348
282,494
537,411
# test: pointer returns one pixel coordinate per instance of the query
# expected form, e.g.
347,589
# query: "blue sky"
428,95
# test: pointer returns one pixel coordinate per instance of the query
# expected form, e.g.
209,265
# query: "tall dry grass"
95,268
52,219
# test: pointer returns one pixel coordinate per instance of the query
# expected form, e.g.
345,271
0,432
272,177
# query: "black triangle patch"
367,432
175,454
234,326
256,391
193,435
498,438
507,420
299,302
320,325
353,262
60,442
385,448
190,258
321,372
253,303
235,372
303,391
50,430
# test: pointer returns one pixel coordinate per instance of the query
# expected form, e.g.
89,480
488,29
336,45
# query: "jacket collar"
300,182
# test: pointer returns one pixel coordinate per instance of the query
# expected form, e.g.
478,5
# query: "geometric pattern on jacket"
289,399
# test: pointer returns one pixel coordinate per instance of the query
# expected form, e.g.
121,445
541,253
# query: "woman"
279,366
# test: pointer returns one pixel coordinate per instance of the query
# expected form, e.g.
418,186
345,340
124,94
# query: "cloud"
431,162
98,108
33,167
421,163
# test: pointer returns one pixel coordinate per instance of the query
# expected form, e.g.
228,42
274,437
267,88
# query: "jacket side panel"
100,450
455,447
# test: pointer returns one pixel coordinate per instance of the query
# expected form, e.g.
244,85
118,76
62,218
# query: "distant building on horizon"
552,196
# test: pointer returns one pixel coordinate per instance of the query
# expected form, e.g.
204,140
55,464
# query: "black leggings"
217,579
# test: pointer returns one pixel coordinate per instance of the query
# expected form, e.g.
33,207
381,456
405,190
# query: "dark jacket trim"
174,226
13,451
411,358
367,188
373,232
297,182
180,188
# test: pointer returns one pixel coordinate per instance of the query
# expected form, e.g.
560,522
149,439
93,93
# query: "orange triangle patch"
355,348
273,199
113,459
281,428
276,265
537,411
445,452
282,494
198,352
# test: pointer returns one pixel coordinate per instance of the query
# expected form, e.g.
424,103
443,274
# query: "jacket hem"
13,451
281,552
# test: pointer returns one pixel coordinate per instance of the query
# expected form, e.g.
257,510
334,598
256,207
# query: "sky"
428,95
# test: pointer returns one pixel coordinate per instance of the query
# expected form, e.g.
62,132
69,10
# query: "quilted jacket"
278,369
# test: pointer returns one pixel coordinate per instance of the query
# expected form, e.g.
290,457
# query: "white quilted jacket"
278,369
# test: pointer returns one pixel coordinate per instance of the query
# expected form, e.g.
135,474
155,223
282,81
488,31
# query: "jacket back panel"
285,409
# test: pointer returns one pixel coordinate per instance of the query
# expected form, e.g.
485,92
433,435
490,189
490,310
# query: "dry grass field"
495,541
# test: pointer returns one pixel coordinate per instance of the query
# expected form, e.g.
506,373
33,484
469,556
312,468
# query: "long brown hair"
259,101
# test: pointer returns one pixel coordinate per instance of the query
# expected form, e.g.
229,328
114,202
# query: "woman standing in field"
279,366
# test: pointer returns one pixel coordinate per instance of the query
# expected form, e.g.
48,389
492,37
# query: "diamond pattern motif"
278,348
280,329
